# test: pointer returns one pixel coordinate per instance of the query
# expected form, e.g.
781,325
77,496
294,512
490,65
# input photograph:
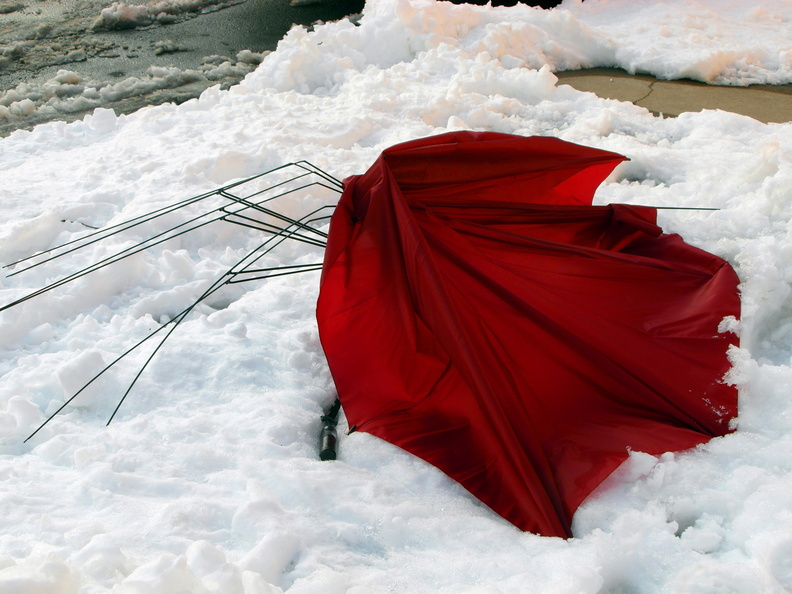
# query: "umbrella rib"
287,271
166,236
275,230
97,376
257,206
104,233
226,278
220,282
117,257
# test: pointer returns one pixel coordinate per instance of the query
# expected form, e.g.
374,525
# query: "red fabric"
477,311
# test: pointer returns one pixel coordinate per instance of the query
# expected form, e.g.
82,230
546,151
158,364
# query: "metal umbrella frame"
250,203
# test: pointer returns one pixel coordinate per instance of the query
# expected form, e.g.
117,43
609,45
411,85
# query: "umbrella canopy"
478,311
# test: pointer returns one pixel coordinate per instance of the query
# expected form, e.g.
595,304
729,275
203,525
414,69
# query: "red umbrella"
478,311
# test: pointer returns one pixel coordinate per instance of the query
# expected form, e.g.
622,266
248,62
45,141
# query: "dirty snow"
130,15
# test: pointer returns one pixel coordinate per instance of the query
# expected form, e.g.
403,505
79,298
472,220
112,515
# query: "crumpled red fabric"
477,311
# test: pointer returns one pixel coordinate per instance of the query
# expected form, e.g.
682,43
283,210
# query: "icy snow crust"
208,480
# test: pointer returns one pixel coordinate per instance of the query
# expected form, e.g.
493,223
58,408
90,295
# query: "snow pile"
736,43
12,51
122,15
208,481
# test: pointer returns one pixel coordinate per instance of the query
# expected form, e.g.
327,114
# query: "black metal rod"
257,206
105,232
160,238
235,281
242,267
125,225
219,283
273,268
270,228
95,377
684,208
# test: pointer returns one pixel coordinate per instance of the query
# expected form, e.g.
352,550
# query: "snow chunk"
129,16
47,576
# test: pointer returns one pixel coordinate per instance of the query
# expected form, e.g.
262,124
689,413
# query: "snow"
715,41
125,15
208,478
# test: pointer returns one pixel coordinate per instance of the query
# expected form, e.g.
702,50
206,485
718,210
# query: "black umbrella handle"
328,436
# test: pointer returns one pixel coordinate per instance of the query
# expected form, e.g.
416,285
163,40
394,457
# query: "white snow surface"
208,479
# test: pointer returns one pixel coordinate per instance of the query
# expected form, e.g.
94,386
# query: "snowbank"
208,479
123,15
714,41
